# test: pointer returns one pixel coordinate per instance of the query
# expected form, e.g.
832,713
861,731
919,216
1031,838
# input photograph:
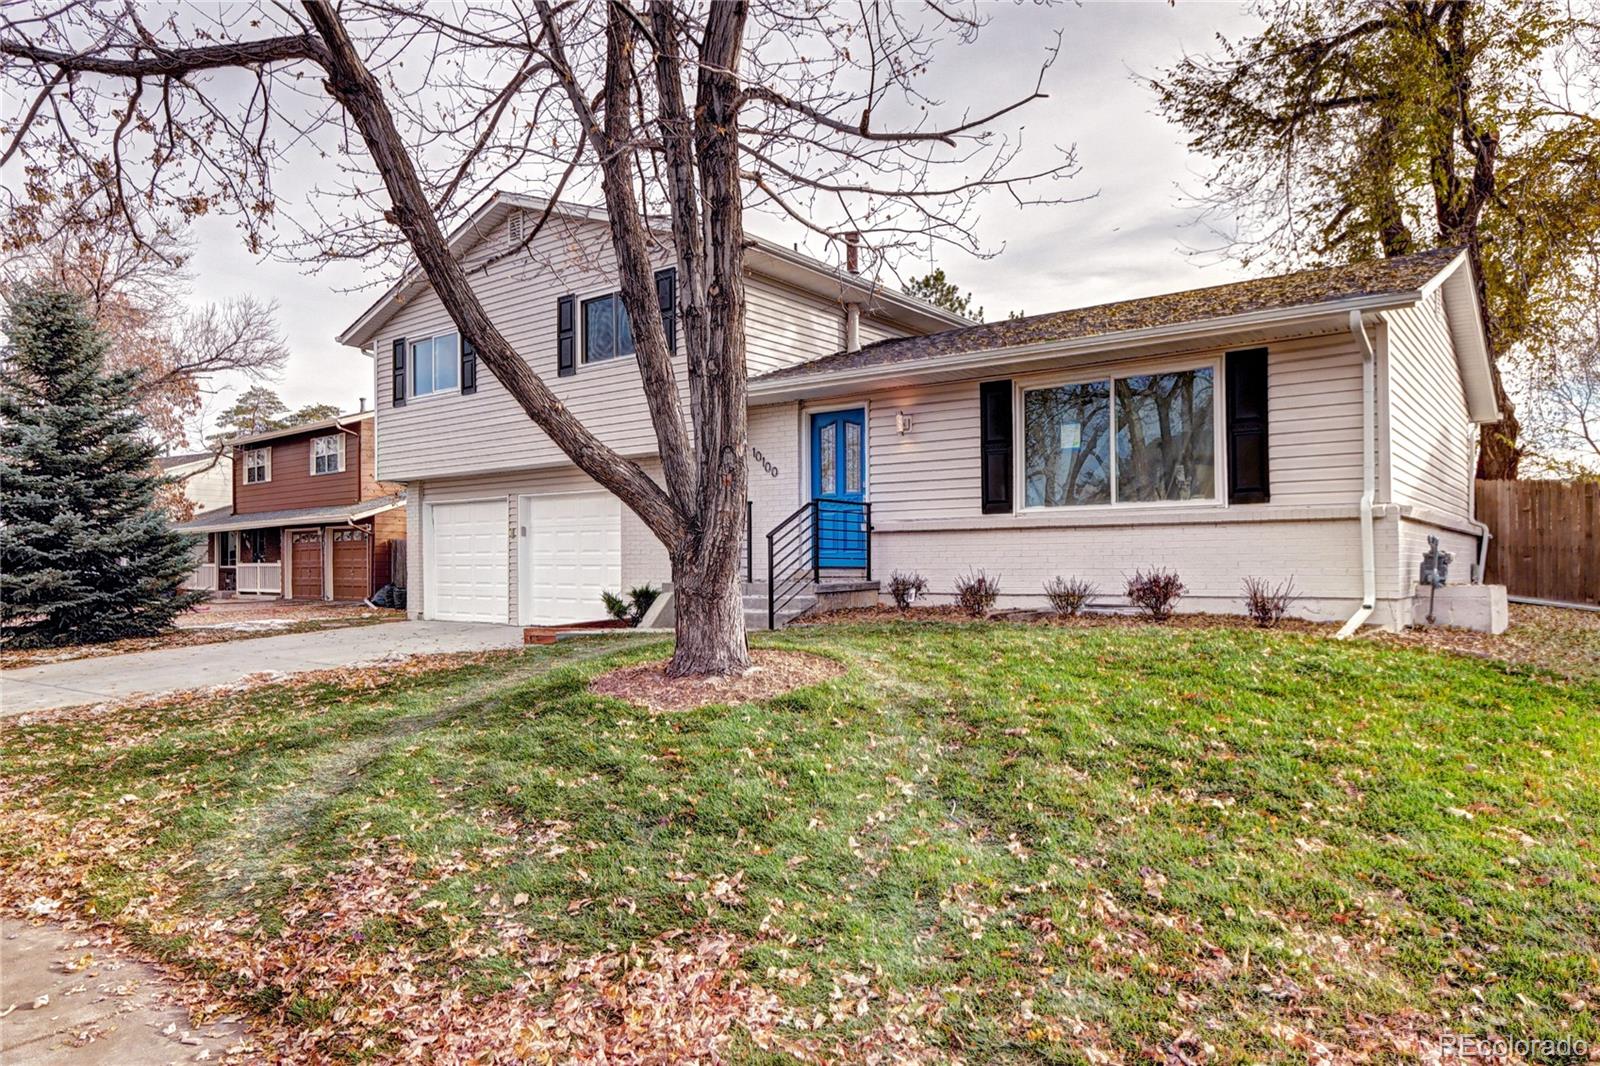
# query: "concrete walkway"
69,999
147,673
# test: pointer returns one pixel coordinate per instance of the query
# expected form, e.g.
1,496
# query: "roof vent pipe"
852,252
363,409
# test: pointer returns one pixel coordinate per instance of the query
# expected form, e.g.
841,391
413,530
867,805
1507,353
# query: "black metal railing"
749,540
821,535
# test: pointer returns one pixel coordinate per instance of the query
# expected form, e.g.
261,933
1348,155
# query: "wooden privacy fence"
1546,538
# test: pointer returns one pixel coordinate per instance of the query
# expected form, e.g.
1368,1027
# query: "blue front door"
839,485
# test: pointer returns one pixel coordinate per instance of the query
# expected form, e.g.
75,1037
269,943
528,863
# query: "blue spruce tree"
87,553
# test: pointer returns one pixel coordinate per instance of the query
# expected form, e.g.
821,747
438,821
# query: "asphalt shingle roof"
1303,288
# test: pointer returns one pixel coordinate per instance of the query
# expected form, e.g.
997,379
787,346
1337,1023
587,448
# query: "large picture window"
435,364
1149,438
607,333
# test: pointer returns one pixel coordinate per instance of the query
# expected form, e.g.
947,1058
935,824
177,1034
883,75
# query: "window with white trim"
607,333
1144,438
435,364
257,465
327,454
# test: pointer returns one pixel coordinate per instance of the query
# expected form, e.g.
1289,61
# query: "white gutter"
1369,477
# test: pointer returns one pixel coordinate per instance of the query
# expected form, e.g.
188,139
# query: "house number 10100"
770,468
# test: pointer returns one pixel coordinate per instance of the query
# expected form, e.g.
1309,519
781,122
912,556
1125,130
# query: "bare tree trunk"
709,624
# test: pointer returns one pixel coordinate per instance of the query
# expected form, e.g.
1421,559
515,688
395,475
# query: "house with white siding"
1317,426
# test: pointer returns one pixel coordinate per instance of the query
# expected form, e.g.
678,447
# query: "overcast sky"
1134,236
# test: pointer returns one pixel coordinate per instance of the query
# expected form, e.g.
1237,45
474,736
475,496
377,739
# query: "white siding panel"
1431,440
447,434
784,326
1314,386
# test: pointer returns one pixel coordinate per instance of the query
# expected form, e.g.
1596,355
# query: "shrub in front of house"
1265,603
904,588
1069,597
1154,592
632,609
976,592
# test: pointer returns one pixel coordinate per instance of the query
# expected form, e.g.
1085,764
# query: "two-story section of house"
501,526
310,519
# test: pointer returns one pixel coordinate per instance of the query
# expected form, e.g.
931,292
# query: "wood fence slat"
1546,538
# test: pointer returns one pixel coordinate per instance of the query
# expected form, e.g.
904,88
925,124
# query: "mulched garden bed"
775,672
1090,620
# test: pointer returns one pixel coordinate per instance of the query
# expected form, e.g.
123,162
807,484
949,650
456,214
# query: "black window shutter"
1248,481
469,368
566,337
994,434
667,298
399,394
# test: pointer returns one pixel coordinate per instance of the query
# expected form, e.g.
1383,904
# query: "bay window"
1146,438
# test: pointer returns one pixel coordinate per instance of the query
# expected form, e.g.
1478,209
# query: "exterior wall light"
902,422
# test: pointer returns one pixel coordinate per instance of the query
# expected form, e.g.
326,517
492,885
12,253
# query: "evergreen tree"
86,552
942,292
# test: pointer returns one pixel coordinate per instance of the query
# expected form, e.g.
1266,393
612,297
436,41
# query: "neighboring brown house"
309,520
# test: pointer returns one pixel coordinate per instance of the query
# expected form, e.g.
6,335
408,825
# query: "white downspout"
1369,477
852,327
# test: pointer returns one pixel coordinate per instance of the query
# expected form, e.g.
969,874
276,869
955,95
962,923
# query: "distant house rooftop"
172,462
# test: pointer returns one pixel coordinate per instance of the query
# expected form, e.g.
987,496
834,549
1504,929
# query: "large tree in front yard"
87,553
677,117
1352,129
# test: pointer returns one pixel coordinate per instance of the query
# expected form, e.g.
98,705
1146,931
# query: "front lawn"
990,843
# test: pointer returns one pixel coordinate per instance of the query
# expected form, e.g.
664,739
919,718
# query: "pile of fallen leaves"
774,673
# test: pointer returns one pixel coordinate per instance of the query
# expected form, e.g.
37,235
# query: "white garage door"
573,553
467,565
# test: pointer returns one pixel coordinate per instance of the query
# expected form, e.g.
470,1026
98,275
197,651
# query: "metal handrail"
796,543
749,540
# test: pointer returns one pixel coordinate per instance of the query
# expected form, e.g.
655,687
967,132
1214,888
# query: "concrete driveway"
145,673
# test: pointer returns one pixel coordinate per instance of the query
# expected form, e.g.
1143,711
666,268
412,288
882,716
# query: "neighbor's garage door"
466,563
574,554
351,566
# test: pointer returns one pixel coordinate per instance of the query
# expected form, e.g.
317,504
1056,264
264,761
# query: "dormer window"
257,465
327,454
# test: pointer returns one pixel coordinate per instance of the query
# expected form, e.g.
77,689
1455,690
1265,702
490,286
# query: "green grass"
1069,843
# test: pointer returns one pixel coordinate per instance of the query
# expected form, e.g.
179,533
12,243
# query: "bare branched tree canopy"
135,287
677,118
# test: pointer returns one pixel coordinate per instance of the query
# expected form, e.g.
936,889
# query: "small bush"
976,592
1266,604
1155,592
905,588
631,610
1068,598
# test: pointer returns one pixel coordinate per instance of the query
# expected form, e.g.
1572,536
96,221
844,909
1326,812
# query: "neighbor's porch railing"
203,577
260,577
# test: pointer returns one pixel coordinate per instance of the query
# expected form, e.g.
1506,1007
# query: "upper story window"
257,465
1148,438
327,454
607,333
435,364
